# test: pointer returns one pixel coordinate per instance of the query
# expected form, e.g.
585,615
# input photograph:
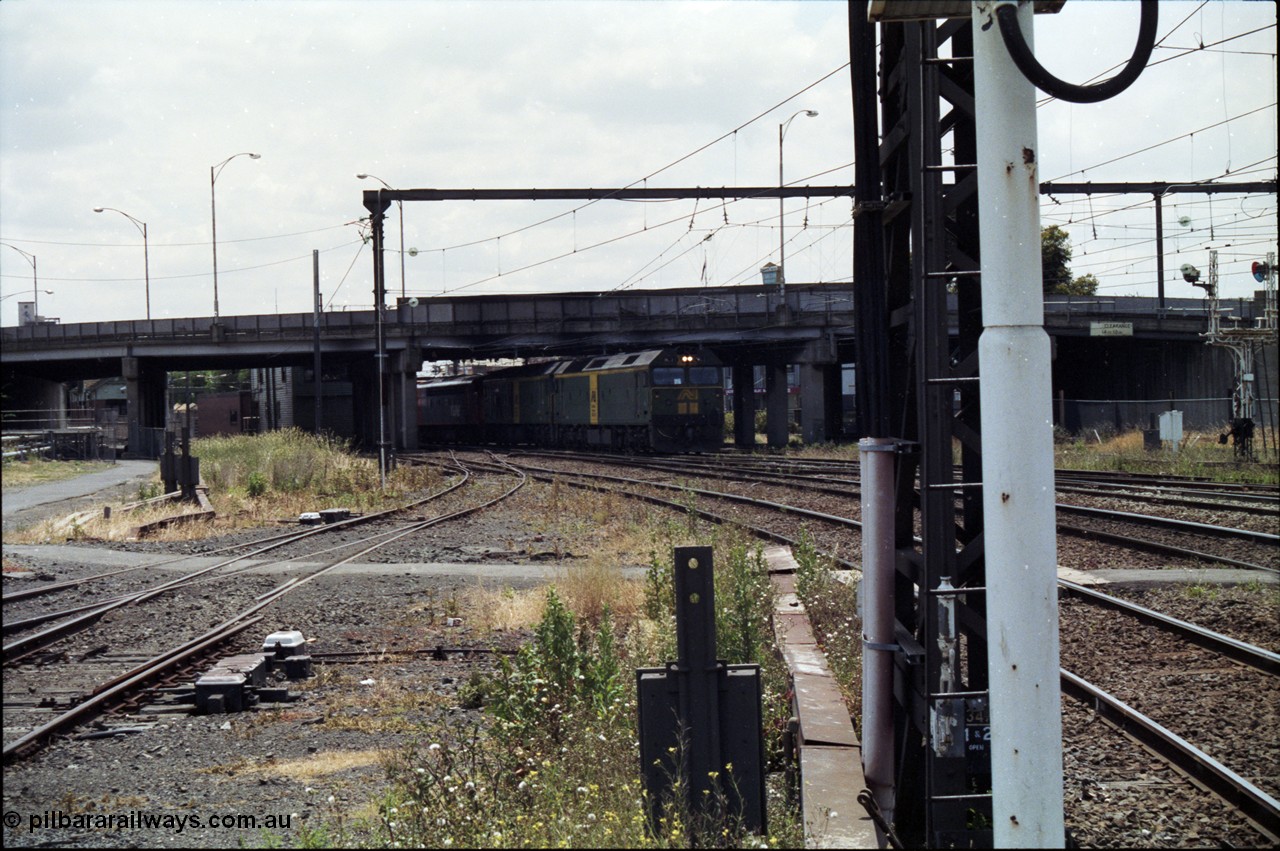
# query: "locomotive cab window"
667,375
704,375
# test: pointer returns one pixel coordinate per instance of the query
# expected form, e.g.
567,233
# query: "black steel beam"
1053,187
625,193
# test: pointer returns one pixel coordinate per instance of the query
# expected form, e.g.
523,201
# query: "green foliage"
256,486
744,602
1055,258
832,606
554,762
1082,285
286,461
1055,265
148,490
562,674
659,602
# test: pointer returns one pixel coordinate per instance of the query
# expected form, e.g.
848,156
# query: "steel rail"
276,540
1159,548
229,627
729,497
1063,528
1138,490
1256,657
1175,499
85,616
158,664
1259,807
709,516
1172,524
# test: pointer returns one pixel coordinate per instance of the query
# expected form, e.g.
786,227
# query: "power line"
1166,141
191,275
654,173
169,244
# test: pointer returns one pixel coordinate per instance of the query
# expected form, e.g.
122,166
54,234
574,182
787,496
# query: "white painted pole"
877,603
1017,458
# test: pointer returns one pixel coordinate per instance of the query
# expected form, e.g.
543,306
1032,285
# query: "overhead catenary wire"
643,180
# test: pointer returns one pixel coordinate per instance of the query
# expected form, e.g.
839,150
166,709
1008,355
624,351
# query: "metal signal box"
699,718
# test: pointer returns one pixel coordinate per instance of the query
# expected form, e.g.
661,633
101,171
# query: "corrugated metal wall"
1118,382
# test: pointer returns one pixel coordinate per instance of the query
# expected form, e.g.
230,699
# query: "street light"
31,258
146,259
214,171
782,132
11,295
400,211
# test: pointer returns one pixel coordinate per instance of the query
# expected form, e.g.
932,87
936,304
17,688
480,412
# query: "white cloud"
128,104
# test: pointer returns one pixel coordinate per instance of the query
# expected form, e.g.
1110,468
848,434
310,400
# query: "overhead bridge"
810,325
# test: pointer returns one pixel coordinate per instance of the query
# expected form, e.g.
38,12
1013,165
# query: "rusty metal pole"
877,600
377,206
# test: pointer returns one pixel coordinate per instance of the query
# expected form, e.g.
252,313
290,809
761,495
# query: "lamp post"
11,295
400,212
35,297
782,132
214,171
146,258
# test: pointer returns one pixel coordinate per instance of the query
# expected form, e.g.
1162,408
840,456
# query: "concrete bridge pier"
820,414
820,401
744,407
364,403
775,401
404,397
400,396
145,390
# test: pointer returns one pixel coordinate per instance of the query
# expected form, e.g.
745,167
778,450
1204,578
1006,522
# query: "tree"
1055,263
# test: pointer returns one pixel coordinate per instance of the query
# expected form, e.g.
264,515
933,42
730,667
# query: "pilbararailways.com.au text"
141,820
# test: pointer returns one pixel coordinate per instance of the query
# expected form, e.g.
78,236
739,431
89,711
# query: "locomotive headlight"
687,359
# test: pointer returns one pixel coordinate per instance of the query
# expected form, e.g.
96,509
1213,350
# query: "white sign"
1110,329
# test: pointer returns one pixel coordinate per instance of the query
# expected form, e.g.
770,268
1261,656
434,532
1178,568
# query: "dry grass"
586,588
311,767
589,587
321,764
294,472
1199,454
502,610
20,474
120,526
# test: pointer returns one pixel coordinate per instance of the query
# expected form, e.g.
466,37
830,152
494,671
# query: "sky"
130,105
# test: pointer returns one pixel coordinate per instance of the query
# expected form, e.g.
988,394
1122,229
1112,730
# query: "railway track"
103,694
1098,776
1244,787
1185,543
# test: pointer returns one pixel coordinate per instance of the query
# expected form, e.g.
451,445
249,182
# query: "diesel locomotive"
660,400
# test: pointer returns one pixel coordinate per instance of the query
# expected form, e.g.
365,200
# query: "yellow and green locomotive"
660,400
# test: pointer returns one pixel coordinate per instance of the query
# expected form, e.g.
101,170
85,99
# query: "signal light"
1260,271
